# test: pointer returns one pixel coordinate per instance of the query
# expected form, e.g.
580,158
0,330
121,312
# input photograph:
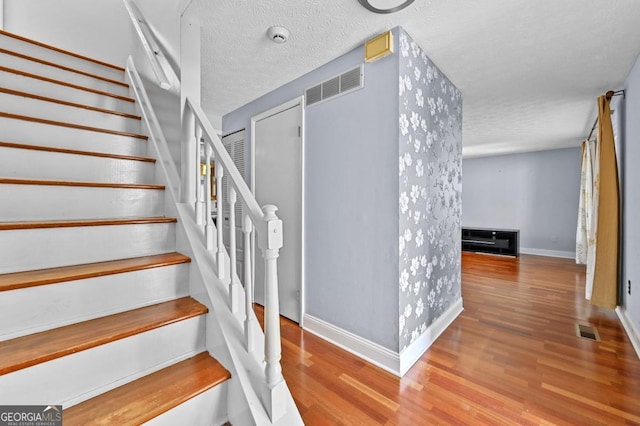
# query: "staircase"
95,312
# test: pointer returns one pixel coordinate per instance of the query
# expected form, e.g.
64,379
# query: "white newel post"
190,70
208,229
219,198
234,284
270,244
188,147
199,176
248,285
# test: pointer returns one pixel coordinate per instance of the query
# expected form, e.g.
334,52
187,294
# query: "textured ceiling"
529,71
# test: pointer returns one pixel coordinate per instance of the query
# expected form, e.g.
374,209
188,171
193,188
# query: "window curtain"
584,231
602,253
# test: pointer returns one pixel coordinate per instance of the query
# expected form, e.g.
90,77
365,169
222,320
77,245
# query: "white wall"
535,192
98,28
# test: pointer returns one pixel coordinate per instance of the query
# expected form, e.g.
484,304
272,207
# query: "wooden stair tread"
5,226
71,125
64,83
16,181
57,49
26,351
62,67
67,103
148,397
39,277
75,151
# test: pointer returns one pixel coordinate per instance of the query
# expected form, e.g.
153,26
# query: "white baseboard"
413,352
397,364
550,253
630,328
369,351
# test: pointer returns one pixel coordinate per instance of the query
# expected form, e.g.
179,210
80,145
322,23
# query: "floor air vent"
338,85
587,332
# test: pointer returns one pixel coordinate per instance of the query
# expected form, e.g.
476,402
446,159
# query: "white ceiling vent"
338,85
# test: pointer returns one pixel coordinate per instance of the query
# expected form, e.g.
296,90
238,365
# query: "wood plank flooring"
511,357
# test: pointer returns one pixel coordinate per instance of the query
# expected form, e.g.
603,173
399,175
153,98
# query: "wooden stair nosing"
32,349
150,396
59,50
71,125
75,152
8,226
16,181
67,103
64,83
25,279
62,67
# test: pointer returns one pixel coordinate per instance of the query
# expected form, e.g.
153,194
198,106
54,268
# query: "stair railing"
268,228
167,79
263,221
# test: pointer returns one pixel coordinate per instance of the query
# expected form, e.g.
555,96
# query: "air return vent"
587,332
338,85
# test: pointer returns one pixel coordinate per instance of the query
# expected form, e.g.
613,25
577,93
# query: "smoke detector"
278,34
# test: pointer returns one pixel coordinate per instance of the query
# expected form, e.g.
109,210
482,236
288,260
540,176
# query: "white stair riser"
59,112
32,67
10,43
208,408
77,377
60,304
65,93
31,133
27,249
33,164
43,202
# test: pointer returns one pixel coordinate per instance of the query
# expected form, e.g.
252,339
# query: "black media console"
494,241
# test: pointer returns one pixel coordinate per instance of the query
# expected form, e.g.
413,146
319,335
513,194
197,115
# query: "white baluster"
219,207
199,189
248,285
208,220
234,284
270,243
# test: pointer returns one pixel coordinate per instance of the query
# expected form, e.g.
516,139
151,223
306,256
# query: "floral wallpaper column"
430,169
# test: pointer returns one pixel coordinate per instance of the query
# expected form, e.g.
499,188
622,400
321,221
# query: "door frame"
266,114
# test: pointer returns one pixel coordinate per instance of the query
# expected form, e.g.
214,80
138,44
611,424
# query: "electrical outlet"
628,286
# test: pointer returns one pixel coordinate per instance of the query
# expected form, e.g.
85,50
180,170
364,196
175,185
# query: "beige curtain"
602,256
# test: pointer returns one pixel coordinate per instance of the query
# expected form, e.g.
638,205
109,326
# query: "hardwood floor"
511,357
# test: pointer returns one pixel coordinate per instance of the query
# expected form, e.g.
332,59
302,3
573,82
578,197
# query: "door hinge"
299,131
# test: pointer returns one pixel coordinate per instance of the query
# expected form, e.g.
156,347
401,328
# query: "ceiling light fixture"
385,6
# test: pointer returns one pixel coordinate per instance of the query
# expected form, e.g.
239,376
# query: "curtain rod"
610,94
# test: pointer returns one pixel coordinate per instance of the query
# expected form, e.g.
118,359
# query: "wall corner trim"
412,353
369,351
632,332
549,253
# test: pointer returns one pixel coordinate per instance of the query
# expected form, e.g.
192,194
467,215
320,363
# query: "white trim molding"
412,353
549,253
630,328
369,351
393,362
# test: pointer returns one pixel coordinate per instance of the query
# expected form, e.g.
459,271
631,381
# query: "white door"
234,144
278,180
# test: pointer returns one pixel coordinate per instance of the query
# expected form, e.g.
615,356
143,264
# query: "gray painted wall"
535,192
351,196
630,138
